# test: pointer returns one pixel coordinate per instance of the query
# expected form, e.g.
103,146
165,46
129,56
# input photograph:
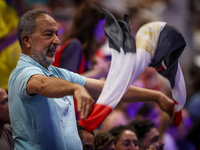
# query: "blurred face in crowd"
4,115
151,138
88,140
111,146
127,141
44,40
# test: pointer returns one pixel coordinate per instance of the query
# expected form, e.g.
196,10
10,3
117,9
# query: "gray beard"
41,58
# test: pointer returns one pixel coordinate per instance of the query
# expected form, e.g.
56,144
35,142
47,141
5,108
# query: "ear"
26,40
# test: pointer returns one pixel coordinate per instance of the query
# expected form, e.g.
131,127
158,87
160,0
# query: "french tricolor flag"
158,45
118,81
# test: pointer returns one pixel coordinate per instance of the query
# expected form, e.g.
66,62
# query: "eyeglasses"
87,146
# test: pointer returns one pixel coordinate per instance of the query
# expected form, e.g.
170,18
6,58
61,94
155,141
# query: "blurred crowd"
84,50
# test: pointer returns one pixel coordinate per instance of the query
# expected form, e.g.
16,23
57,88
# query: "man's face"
152,138
44,40
127,141
4,115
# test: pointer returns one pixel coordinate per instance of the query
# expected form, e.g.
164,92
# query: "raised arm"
94,87
55,88
135,94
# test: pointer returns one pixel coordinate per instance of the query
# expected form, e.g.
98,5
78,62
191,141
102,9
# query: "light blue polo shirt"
41,123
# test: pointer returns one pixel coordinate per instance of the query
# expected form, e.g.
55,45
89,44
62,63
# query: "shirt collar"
30,60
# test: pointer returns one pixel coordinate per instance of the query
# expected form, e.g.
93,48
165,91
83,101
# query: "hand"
85,102
167,105
151,147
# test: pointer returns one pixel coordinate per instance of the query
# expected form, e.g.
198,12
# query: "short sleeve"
22,79
72,77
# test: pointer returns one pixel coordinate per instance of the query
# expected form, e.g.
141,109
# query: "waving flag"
118,81
160,45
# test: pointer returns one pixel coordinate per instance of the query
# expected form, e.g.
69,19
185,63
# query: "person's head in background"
87,26
103,140
87,138
147,134
4,114
125,138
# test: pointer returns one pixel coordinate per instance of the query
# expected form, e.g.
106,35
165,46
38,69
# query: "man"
147,134
6,141
41,99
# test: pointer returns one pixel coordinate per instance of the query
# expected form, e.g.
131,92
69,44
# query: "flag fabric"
158,45
118,81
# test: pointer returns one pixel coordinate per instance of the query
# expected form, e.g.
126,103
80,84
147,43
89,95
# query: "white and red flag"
118,81
158,45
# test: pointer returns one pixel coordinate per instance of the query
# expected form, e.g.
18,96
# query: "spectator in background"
80,44
87,138
6,140
125,138
152,112
147,134
103,140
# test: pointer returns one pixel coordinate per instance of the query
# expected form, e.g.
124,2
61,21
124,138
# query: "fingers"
176,119
171,109
88,110
83,105
79,105
173,118
167,105
84,102
86,107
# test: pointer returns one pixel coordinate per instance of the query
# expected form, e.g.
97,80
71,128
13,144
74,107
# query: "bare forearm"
136,94
50,86
94,87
